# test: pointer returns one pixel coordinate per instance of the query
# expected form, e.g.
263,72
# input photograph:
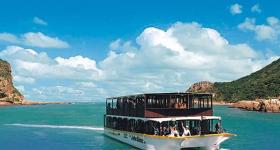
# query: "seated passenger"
165,131
197,130
176,133
156,131
173,132
218,128
187,131
176,105
161,130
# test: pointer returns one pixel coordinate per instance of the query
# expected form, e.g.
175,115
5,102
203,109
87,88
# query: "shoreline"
259,105
222,103
27,103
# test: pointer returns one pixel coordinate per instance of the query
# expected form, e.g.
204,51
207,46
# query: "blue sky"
87,50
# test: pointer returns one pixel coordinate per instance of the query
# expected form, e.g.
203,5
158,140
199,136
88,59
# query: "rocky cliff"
202,87
8,93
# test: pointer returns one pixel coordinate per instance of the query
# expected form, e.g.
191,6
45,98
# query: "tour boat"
164,121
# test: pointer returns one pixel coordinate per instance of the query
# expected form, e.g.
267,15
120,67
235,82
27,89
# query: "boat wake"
56,126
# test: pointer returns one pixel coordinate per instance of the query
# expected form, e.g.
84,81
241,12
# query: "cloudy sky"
86,51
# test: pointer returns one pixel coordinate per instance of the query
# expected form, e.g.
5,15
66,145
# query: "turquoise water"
79,127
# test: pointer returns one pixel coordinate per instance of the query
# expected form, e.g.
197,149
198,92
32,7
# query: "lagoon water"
80,127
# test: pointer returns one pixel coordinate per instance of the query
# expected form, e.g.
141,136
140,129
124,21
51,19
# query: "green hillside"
261,84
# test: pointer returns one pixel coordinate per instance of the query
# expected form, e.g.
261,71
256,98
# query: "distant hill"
8,93
264,83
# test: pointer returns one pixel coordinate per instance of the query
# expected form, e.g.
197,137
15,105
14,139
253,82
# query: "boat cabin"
156,105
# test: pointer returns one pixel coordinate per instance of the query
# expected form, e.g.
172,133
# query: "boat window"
162,104
196,127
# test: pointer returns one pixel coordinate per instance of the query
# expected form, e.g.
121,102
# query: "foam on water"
55,126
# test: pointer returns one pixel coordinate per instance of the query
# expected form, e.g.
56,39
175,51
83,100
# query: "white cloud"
23,80
20,88
256,8
77,62
86,84
121,46
160,61
170,60
8,37
39,21
248,24
263,32
72,93
273,21
41,40
236,9
115,44
14,53
33,39
29,63
59,93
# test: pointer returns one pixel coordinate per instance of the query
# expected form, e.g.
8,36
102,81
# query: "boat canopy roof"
162,94
170,118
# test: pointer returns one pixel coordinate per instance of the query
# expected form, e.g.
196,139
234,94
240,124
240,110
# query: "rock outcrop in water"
8,93
263,105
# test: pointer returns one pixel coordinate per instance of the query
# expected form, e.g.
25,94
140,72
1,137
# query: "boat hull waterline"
152,142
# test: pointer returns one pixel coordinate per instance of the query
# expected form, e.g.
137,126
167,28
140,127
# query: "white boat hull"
151,142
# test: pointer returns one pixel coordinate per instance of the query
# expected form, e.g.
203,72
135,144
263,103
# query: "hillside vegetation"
264,83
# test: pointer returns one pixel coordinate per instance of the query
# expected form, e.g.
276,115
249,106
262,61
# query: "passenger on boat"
160,130
197,130
156,131
218,128
173,132
187,131
180,105
165,131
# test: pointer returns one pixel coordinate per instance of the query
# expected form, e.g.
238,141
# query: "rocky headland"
9,95
259,91
261,105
